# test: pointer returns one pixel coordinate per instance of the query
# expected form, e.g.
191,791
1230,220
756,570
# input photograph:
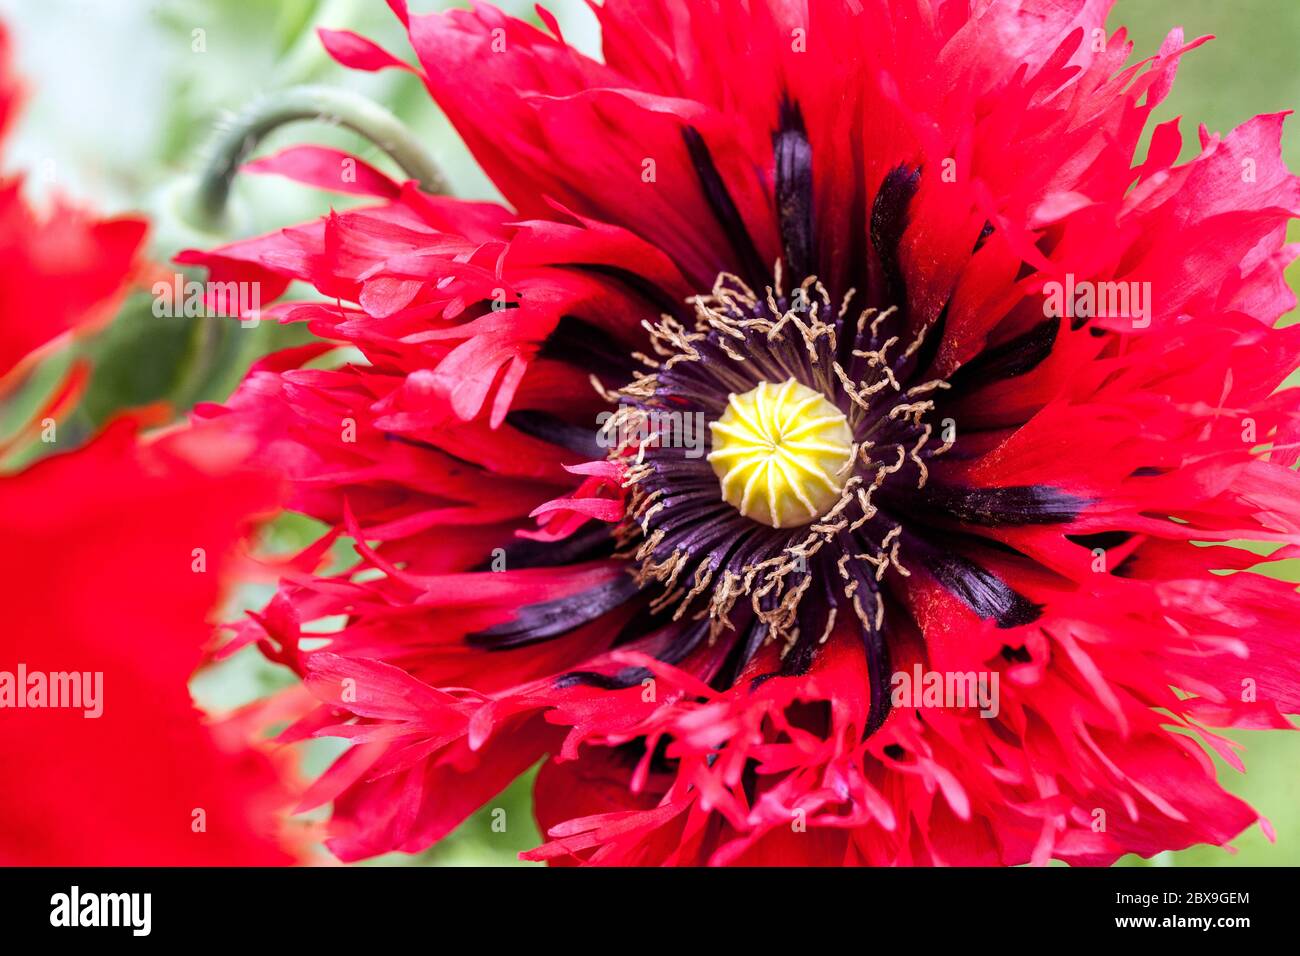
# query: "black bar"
454,907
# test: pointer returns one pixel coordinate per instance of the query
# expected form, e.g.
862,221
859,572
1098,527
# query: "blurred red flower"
113,559
59,272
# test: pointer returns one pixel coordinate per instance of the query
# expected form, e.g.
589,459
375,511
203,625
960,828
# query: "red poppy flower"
58,271
110,575
878,249
109,596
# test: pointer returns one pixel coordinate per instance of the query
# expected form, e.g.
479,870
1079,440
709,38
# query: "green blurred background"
124,95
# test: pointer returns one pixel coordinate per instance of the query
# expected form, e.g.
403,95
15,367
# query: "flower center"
821,444
782,453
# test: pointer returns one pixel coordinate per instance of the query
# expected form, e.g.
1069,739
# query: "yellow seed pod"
782,453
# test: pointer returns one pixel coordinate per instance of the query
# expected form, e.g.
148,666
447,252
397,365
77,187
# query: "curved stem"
234,141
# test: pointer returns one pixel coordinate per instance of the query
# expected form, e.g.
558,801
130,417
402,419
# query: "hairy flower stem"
234,141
